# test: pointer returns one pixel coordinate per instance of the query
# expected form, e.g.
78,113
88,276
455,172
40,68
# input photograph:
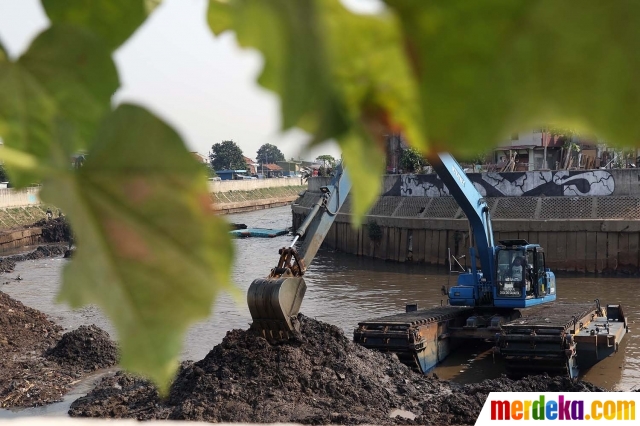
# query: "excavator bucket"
274,304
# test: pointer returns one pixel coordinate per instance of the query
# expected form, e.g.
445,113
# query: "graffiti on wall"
514,184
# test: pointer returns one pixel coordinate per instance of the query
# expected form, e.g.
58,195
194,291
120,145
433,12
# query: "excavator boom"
274,301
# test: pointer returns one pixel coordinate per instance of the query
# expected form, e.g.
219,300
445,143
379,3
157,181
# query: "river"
343,290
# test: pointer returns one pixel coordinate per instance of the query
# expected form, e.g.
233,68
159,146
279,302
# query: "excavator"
509,301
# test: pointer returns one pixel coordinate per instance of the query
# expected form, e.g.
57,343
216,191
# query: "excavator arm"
472,204
274,302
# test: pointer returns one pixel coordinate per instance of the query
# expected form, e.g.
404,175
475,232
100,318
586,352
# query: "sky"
203,86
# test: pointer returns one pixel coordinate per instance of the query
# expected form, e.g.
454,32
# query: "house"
252,166
271,170
290,168
528,150
231,174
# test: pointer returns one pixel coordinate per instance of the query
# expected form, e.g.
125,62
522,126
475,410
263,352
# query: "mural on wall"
514,184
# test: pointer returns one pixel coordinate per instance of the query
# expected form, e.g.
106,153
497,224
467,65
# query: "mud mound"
24,328
464,402
24,334
54,230
8,263
27,377
40,252
320,377
88,347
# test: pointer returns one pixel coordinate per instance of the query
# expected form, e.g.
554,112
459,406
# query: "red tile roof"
272,167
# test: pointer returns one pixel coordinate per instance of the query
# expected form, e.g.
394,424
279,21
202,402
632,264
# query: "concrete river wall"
260,197
587,221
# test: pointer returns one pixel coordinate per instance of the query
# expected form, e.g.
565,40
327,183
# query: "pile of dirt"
28,377
463,403
319,377
88,347
8,263
54,230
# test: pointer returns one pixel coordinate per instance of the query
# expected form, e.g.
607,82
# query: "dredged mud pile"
54,230
88,347
8,263
28,376
319,377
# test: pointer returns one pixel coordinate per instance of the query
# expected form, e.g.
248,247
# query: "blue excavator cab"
513,273
522,280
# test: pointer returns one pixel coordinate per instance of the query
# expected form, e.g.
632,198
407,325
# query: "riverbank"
256,199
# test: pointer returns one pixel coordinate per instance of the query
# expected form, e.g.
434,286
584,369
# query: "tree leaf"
489,68
151,254
52,98
151,5
113,20
364,171
288,35
334,71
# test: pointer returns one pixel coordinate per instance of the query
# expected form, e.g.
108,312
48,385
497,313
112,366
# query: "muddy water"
344,289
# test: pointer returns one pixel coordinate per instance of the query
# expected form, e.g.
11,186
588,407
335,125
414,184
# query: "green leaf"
334,71
52,98
364,161
488,68
151,254
288,35
151,5
113,20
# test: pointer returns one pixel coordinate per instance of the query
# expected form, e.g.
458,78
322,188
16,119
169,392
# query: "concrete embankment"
13,223
587,221
255,199
21,208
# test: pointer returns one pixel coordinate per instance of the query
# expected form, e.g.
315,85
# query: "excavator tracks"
560,338
421,338
556,338
540,341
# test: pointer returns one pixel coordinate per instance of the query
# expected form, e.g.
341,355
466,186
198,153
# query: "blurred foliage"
449,75
412,161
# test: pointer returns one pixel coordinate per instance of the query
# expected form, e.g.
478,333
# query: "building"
252,166
271,170
527,150
231,174
290,168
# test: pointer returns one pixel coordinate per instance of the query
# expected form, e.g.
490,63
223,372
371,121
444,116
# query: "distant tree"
269,154
412,161
327,161
227,155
